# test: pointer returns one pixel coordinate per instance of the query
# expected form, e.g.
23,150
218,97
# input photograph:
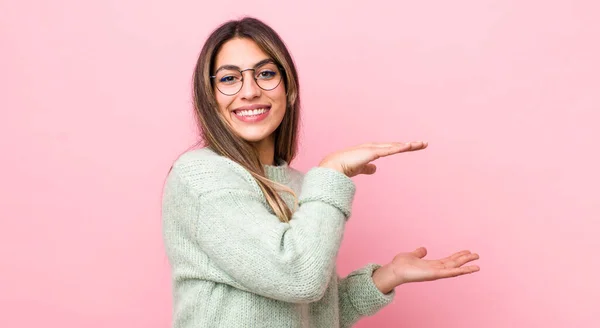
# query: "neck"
266,151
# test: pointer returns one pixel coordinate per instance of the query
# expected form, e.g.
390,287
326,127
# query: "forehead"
240,52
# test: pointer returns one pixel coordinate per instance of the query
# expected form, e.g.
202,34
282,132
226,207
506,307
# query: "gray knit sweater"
234,264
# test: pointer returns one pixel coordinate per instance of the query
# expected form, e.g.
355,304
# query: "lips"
252,113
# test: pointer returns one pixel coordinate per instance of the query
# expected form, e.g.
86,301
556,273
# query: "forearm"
359,296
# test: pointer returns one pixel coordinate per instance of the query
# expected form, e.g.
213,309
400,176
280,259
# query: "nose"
249,89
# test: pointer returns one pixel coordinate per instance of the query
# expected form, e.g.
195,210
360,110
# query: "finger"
416,145
378,151
369,145
420,252
454,272
380,144
461,260
455,256
368,169
466,259
408,146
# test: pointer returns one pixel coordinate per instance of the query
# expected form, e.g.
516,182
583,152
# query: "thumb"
368,169
420,252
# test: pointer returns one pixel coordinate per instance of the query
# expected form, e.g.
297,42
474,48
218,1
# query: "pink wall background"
95,104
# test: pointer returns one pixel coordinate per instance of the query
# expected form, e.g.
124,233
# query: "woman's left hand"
412,267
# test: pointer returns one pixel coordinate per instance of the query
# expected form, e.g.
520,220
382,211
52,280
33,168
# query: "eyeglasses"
229,80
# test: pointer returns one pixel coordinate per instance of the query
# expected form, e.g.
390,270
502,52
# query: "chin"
256,133
254,137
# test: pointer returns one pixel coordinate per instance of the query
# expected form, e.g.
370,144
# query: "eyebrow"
257,65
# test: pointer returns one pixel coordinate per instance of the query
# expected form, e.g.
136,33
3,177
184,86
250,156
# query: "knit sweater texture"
234,264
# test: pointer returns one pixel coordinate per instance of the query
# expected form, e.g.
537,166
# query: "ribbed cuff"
362,292
329,186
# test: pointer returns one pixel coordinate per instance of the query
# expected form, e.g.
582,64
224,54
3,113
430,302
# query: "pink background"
95,105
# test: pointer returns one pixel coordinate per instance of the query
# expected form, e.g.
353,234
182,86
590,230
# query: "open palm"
412,267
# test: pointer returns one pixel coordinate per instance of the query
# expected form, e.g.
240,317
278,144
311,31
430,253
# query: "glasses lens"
268,76
229,82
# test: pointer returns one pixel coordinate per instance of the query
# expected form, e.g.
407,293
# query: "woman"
253,242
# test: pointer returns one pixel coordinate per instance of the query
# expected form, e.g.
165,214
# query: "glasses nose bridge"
247,69
243,84
253,77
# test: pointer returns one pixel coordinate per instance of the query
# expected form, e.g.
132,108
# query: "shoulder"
203,170
204,156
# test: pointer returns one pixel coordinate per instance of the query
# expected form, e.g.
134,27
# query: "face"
253,112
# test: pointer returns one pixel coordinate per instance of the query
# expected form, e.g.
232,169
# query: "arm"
359,296
229,221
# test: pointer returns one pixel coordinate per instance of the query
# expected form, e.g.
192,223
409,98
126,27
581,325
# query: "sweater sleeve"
232,224
360,297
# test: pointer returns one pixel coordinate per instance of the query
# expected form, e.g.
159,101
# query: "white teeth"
251,112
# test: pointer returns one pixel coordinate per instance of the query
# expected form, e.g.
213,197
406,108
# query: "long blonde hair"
214,130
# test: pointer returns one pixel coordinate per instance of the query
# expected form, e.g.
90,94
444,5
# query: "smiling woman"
253,242
256,108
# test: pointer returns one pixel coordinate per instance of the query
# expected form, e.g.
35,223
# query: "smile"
251,115
251,112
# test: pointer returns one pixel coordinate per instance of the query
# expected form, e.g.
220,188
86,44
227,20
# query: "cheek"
223,102
279,96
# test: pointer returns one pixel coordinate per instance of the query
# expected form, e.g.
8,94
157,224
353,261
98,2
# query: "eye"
228,79
266,74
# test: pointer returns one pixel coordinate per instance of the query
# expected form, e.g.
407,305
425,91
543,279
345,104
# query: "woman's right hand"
357,160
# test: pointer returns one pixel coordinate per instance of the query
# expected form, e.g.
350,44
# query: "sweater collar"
278,172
